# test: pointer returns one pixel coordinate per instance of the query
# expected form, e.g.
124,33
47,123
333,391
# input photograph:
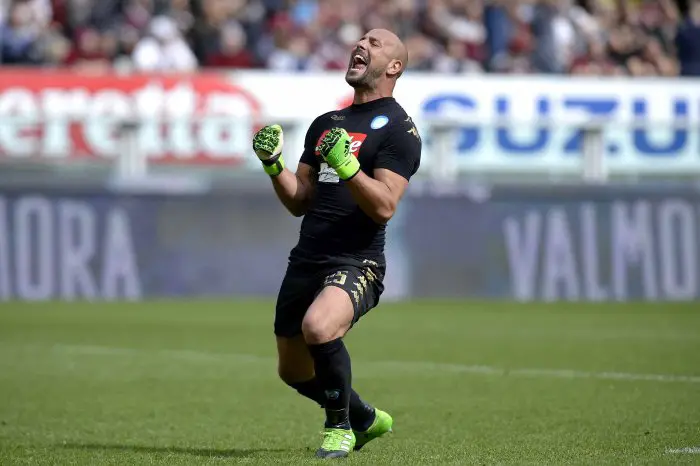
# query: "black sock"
332,365
361,414
311,389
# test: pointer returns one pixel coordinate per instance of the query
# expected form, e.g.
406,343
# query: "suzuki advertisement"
522,122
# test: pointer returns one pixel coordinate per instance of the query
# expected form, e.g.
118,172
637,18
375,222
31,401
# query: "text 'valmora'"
599,252
65,249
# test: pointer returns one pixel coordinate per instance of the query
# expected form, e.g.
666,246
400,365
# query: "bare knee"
328,318
317,329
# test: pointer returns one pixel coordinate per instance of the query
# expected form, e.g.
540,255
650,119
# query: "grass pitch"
467,383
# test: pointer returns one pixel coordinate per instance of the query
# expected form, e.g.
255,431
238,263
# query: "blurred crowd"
589,37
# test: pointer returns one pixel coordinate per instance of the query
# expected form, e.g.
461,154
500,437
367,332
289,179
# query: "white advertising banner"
651,125
501,123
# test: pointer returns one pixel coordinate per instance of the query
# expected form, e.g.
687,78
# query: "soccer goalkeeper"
354,170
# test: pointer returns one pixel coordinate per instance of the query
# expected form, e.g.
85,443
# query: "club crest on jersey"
379,122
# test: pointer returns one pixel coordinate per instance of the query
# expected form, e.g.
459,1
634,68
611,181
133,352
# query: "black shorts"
301,284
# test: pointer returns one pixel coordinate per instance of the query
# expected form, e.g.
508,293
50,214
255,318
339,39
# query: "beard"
362,75
364,78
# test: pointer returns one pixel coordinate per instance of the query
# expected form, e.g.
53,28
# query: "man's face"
368,62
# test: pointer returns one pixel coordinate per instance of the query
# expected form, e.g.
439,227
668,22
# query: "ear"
394,67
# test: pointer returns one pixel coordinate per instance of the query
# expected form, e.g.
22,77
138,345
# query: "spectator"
456,59
592,37
137,13
204,38
420,52
19,36
554,37
92,50
595,61
688,41
164,49
622,45
509,37
232,51
55,48
293,54
499,28
181,13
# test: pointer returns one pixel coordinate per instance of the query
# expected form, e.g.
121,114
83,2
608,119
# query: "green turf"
195,383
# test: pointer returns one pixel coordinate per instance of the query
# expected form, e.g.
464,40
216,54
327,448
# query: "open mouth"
358,63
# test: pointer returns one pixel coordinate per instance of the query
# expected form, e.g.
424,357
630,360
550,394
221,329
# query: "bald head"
378,60
402,55
396,50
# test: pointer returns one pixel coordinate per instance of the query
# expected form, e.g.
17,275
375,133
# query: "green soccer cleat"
337,443
381,425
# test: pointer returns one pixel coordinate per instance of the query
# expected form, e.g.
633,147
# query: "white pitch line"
526,372
690,450
400,366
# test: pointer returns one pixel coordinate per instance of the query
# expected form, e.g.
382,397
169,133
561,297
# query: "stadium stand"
590,37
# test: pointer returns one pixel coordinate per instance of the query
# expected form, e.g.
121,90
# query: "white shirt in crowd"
164,49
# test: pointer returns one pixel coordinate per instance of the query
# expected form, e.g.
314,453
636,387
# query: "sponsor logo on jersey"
327,174
379,122
356,140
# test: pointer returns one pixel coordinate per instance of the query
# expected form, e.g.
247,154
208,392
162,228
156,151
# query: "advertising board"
547,244
650,125
61,116
510,123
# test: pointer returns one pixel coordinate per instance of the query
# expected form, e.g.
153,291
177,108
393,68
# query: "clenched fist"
267,145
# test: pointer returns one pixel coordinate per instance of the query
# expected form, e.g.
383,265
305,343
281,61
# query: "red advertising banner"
56,115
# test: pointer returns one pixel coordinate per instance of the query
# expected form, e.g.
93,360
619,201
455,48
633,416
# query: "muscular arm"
295,190
399,158
378,197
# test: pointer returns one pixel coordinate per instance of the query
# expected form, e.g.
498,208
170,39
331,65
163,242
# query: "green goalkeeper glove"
335,150
267,145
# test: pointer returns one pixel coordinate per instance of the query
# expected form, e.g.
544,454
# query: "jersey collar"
372,105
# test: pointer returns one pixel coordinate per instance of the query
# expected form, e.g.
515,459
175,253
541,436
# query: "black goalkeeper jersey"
335,229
